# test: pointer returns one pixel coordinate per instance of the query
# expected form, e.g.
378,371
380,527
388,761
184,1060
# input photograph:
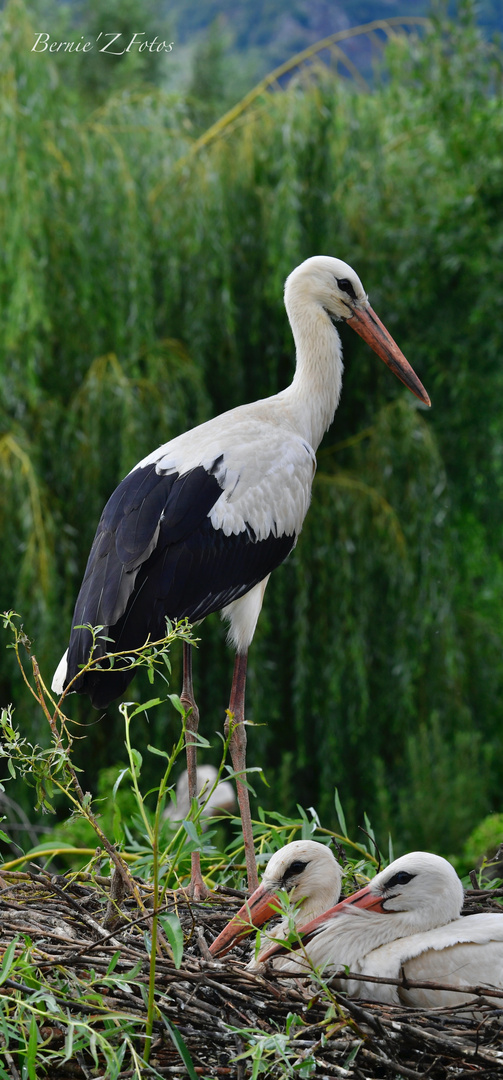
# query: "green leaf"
340,813
113,963
31,1053
70,1030
122,773
174,933
50,1002
92,1047
369,828
200,740
181,1047
8,959
159,753
192,832
175,700
147,705
137,760
352,1054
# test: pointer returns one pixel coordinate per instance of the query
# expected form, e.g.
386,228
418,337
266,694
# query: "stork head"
422,888
329,282
306,870
213,798
335,288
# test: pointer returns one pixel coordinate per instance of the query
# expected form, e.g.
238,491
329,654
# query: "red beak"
262,904
369,326
364,898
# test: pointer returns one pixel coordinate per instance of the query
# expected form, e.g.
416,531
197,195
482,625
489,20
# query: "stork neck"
313,906
314,394
354,934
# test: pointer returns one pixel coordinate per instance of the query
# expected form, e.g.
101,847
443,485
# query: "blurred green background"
141,277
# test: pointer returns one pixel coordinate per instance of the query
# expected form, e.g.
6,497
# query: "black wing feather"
156,555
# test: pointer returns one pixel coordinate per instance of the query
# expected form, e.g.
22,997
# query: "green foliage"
141,293
115,807
482,848
122,65
158,846
206,90
271,1055
32,1003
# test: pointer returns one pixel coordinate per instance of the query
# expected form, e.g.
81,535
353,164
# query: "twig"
477,991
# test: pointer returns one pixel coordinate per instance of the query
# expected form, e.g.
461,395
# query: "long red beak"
262,904
369,326
364,898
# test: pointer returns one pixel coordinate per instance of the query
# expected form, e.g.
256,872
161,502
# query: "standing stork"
199,525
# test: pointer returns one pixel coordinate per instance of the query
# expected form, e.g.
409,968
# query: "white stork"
221,800
309,872
199,525
406,922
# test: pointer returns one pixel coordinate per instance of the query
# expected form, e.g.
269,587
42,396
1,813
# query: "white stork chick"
221,800
199,525
406,922
309,873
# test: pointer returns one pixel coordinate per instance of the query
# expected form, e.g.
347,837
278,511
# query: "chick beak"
263,903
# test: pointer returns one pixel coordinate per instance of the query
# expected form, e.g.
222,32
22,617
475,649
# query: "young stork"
406,923
311,875
199,525
221,800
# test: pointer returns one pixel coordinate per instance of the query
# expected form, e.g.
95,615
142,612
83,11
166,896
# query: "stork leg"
197,889
237,748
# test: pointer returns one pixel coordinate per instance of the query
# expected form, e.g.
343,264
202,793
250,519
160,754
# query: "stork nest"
91,964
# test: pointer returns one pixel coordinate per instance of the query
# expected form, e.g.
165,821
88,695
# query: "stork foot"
197,890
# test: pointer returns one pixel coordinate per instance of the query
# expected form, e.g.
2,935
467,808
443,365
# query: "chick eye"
399,879
346,286
295,868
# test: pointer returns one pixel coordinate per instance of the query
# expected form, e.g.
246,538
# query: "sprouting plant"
52,769
32,1009
292,1053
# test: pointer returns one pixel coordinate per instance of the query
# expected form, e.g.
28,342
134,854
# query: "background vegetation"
141,292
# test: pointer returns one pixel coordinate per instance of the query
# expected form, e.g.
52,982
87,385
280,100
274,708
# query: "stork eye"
399,879
346,286
295,868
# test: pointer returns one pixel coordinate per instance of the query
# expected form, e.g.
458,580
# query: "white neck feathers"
314,393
